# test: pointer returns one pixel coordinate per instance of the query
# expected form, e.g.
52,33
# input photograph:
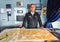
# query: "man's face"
32,8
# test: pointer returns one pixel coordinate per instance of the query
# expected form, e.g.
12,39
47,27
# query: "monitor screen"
19,18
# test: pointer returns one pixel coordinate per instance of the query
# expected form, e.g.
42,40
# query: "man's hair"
31,5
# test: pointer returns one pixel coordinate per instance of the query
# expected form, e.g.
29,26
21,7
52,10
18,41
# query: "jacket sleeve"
25,21
39,20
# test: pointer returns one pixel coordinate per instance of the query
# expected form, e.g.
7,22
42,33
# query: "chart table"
28,35
35,35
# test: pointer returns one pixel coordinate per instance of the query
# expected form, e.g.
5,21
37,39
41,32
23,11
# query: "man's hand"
20,25
42,27
22,28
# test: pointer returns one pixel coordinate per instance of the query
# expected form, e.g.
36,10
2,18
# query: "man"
32,18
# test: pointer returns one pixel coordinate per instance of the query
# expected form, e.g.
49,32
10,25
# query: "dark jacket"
31,21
